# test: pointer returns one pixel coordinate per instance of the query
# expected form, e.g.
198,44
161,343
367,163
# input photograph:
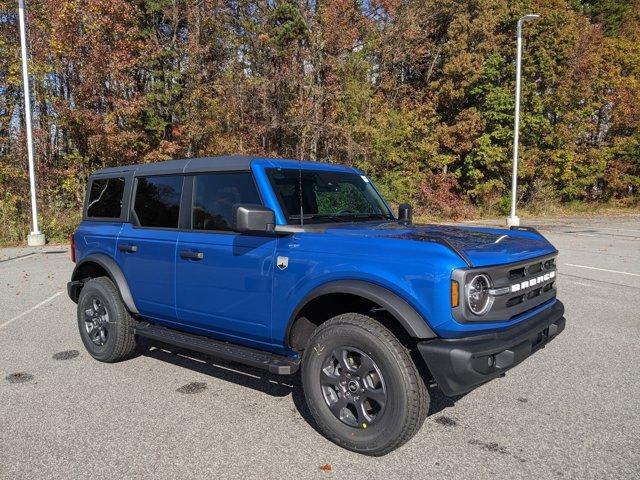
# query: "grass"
570,209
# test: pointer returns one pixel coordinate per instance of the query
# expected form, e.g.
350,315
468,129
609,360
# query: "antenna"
300,190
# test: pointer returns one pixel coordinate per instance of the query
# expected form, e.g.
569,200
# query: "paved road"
570,411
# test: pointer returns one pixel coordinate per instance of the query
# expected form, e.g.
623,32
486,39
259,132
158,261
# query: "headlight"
478,298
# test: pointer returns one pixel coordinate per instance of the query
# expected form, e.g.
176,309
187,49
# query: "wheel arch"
99,264
399,309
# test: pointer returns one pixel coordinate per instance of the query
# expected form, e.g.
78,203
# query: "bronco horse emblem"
283,262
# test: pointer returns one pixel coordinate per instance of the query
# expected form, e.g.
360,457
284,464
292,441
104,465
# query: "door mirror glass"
253,219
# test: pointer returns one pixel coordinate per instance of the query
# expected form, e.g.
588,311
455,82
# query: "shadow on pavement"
249,377
256,379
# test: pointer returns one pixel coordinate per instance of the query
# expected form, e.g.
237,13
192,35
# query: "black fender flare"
115,274
415,325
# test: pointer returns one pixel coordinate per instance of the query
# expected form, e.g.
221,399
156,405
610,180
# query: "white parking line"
602,269
580,283
30,310
10,259
622,229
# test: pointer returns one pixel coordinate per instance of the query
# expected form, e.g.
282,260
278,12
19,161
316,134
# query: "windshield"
327,196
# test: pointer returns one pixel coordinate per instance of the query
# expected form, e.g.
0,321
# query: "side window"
157,201
105,198
215,194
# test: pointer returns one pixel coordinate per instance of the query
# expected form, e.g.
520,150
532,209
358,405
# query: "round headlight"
478,297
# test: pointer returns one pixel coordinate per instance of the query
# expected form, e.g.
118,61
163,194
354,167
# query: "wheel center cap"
353,386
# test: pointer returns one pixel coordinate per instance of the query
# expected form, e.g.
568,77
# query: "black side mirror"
405,213
252,219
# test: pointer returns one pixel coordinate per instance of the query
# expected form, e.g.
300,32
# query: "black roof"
187,165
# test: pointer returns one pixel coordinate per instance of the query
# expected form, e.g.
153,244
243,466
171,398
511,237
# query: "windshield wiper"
343,217
372,215
335,218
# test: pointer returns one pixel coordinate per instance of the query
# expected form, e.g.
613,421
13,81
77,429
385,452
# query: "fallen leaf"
326,467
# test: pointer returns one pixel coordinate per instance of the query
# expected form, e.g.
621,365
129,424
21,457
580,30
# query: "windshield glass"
327,196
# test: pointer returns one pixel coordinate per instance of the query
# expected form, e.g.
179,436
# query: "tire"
396,398
100,307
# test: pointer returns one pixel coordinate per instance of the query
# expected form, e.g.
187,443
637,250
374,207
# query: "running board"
277,364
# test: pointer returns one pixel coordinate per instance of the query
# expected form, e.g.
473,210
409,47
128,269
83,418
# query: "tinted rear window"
157,201
215,194
105,198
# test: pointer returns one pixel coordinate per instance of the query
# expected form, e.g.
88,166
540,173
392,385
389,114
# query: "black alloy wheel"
353,387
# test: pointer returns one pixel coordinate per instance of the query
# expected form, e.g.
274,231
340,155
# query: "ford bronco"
287,265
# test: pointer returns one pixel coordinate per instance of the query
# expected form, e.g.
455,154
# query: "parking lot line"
602,269
18,317
18,257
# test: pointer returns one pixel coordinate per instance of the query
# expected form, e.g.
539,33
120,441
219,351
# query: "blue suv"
283,264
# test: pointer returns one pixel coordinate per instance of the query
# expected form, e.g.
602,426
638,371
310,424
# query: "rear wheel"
104,322
361,386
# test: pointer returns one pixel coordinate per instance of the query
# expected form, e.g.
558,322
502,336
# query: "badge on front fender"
282,262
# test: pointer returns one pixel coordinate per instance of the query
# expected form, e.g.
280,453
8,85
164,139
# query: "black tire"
118,343
406,399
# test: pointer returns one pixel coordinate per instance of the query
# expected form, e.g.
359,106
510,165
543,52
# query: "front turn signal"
455,294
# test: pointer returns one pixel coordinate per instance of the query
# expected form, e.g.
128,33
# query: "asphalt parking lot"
570,411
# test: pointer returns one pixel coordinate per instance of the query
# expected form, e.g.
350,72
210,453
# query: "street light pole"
35,238
513,220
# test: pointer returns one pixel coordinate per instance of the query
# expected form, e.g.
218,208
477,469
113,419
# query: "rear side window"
215,194
105,198
157,202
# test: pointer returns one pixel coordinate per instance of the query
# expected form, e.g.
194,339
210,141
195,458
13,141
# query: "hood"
478,246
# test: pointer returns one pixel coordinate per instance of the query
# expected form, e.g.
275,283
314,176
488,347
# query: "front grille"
516,273
517,302
516,288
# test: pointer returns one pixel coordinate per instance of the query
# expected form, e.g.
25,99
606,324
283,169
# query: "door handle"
191,255
128,248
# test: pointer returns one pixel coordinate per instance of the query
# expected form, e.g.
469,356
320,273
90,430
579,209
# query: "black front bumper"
459,365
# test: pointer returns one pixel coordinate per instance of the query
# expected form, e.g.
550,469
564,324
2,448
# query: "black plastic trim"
115,274
459,365
272,362
415,325
73,289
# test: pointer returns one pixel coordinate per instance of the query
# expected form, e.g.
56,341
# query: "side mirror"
252,219
405,213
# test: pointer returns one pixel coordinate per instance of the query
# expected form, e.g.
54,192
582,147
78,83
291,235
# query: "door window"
157,201
214,196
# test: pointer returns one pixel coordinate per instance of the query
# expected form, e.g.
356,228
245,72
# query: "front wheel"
361,386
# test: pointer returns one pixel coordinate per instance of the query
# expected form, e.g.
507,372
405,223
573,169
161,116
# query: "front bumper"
459,365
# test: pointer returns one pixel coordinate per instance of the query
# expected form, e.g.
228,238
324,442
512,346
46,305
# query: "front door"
224,279
146,247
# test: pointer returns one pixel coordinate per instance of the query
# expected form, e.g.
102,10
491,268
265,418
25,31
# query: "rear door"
146,247
224,279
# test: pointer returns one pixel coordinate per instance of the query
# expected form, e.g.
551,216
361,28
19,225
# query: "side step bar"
272,362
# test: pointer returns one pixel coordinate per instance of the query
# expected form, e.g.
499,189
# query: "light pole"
513,220
35,238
